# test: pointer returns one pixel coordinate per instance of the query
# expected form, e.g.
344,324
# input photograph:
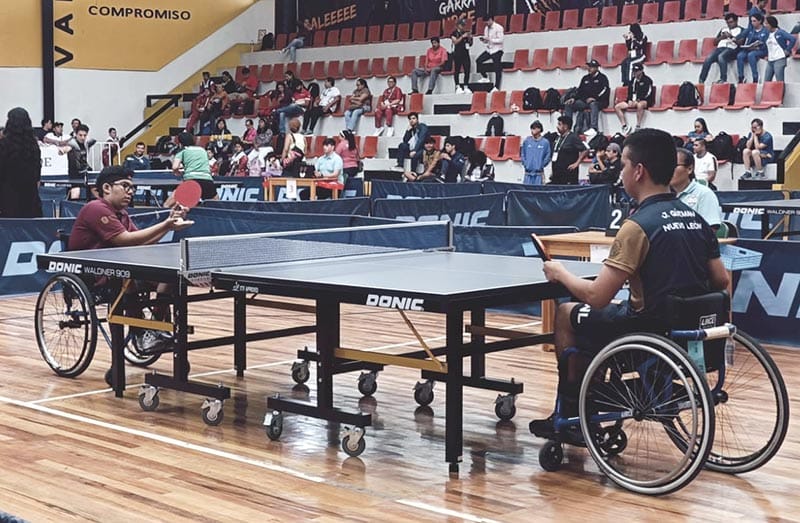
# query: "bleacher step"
450,108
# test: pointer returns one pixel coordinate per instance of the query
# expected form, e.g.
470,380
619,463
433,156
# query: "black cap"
593,63
638,67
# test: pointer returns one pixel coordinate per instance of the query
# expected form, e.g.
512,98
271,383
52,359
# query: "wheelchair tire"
745,438
650,384
65,320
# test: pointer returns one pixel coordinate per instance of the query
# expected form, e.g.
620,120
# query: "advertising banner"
394,190
484,209
582,207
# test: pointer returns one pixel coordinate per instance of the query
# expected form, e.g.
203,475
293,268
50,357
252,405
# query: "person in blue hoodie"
535,153
779,46
753,47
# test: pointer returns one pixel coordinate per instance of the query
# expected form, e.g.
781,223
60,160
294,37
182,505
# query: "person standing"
493,38
535,153
20,168
348,151
191,163
779,46
568,153
461,40
636,43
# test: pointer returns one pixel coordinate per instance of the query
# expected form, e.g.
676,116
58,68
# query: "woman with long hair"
20,168
348,150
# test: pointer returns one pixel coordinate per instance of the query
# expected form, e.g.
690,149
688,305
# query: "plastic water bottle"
729,348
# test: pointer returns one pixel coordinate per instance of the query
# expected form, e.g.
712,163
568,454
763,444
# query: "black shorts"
596,328
209,189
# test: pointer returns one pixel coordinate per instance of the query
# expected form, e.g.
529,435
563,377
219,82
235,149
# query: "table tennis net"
200,254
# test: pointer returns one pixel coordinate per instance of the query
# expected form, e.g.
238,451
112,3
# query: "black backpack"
599,142
551,137
495,126
532,99
268,42
688,95
722,146
739,150
618,139
466,146
552,100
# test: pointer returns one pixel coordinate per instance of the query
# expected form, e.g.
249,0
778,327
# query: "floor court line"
444,511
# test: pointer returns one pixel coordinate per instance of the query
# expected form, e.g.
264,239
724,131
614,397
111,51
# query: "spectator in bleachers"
241,99
329,166
110,147
636,42
593,93
389,103
359,104
20,168
479,168
228,84
41,132
305,36
249,135
329,100
452,162
726,49
752,47
461,40
411,146
138,161
200,112
213,164
263,134
348,150
608,165
273,168
75,123
535,153
206,84
294,149
779,46
430,163
759,7
641,95
56,135
568,153
758,150
700,130
221,140
239,163
301,99
435,57
493,39
217,104
695,195
705,163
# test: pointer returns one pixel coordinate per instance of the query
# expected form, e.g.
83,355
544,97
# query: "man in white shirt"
329,100
493,38
705,163
726,49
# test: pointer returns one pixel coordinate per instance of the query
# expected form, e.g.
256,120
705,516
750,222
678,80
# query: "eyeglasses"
128,187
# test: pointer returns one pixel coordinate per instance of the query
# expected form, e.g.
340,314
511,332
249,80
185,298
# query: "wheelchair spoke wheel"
66,325
752,409
634,394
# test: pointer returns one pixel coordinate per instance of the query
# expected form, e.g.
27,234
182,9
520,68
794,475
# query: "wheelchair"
656,408
67,322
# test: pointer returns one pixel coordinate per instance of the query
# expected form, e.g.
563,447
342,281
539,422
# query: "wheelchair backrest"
701,312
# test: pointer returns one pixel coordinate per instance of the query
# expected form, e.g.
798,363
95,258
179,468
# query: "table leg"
117,358
454,408
478,361
313,190
548,321
328,334
239,334
180,358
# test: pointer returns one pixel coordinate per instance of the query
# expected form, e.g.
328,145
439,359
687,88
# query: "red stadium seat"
491,146
418,31
404,32
414,103
393,66
238,75
745,96
319,70
434,29
608,16
281,41
512,148
388,33
570,19
771,96
266,73
671,11
700,89
665,53
497,103
409,63
516,98
448,26
378,68
552,20
785,6
344,103
346,36
503,21
517,23
318,149
421,61
533,22
738,7
669,95
478,103
306,73
590,17
374,34
600,53
714,9
319,38
540,60
333,37
687,52
521,60
334,69
630,14
692,10
370,147
578,57
362,68
718,97
480,26
620,94
349,69
709,43
360,35
618,53
650,13
277,72
558,60
478,143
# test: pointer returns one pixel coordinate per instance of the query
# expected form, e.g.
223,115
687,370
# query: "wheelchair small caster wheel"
148,398
211,412
550,456
300,372
367,383
423,392
353,442
504,407
273,422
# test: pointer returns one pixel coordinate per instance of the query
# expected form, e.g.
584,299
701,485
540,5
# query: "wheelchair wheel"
66,325
637,392
134,356
747,437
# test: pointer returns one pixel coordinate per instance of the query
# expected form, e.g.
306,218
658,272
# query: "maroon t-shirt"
96,224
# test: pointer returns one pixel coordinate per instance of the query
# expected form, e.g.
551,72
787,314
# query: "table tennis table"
408,267
765,209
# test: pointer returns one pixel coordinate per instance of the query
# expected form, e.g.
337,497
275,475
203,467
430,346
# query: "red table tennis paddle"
537,243
187,194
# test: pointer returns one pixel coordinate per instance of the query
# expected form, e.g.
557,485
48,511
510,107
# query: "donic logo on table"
395,302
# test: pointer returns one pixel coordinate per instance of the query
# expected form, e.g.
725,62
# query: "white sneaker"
590,132
466,90
626,130
148,341
484,80
390,131
378,131
398,168
459,90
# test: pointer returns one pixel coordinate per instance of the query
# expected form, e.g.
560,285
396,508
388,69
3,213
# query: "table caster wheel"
423,392
273,422
148,398
367,383
504,406
300,372
551,455
211,412
353,442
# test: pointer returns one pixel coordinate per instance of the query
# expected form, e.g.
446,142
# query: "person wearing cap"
641,95
607,167
535,153
593,94
696,195
461,39
493,39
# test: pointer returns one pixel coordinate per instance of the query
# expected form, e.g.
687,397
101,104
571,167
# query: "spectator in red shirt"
389,103
301,99
435,58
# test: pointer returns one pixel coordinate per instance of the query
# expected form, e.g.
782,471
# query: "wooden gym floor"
70,451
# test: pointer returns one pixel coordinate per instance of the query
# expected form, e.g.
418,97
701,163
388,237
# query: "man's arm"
152,234
597,293
718,274
177,165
